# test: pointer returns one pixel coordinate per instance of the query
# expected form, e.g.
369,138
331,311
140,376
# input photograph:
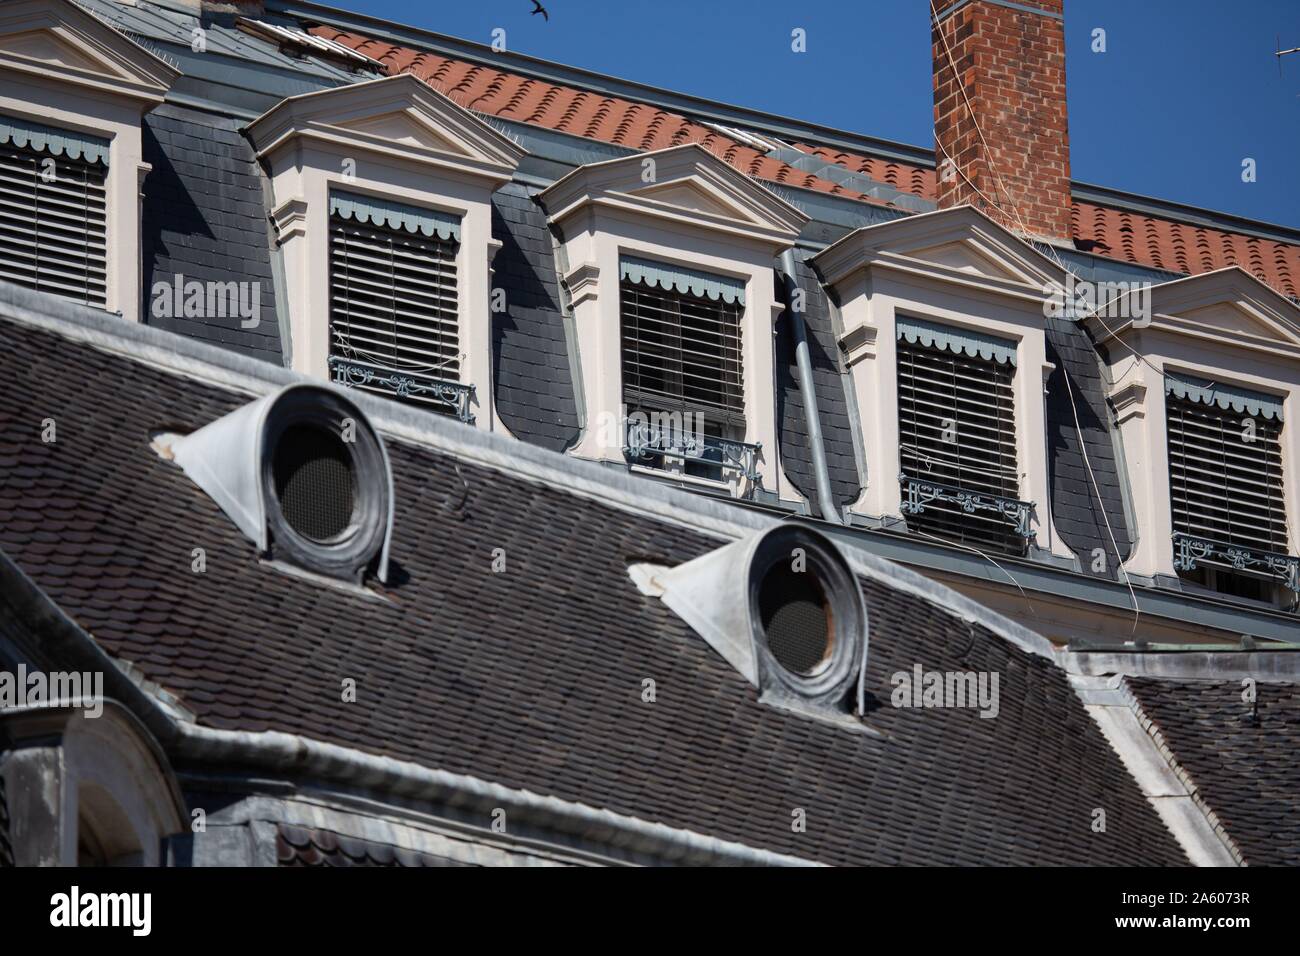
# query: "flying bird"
538,8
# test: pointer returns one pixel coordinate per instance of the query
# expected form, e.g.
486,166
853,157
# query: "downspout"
825,501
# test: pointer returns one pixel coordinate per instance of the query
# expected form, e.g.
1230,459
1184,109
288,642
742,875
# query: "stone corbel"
1130,400
581,282
290,219
859,343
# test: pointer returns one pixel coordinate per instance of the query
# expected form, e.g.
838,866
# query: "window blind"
957,428
682,353
1223,487
54,223
393,309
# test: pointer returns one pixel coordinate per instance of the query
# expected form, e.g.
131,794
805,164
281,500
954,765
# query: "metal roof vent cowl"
304,475
783,608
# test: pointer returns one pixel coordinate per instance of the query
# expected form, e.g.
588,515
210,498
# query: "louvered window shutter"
681,355
54,228
394,323
1225,479
957,432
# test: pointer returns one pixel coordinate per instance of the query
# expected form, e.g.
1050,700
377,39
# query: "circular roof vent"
796,618
807,614
325,481
304,475
315,482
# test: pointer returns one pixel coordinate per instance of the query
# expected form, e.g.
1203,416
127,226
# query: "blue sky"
1185,91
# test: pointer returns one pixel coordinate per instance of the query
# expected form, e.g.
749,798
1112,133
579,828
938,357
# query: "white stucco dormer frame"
1225,327
62,67
957,268
679,207
392,139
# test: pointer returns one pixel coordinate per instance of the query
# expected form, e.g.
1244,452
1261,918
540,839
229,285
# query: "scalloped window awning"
957,341
686,281
1228,397
23,133
396,215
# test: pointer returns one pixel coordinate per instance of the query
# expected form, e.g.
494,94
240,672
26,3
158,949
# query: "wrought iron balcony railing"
452,398
917,494
651,439
1189,550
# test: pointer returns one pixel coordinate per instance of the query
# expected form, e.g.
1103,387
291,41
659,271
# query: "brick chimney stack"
1010,60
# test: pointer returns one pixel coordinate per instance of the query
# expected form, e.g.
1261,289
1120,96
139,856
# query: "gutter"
808,389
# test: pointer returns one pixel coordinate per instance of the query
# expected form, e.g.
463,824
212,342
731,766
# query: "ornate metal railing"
1189,549
452,397
917,494
650,439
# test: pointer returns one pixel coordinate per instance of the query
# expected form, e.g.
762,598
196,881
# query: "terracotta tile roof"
916,180
1119,234
1182,247
566,109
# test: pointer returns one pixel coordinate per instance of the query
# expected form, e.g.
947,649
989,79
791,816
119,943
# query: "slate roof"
530,678
1239,756
205,219
312,847
531,369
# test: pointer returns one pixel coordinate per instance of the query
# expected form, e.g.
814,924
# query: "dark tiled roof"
534,386
531,678
204,218
304,846
1087,500
832,401
1241,757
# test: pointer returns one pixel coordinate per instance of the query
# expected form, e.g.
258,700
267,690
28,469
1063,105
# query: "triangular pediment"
686,180
693,196
403,127
47,47
58,40
965,257
959,243
395,114
1232,317
1231,303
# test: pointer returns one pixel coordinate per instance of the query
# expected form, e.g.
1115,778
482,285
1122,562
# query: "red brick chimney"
1010,60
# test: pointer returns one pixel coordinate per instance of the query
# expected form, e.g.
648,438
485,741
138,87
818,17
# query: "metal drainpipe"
826,503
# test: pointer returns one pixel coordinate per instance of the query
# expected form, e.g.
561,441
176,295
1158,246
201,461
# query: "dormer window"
54,211
73,91
394,307
1226,489
957,436
383,210
683,369
945,335
668,263
1201,388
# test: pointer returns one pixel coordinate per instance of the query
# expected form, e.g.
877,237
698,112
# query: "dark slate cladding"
1080,515
310,847
204,218
532,678
1240,756
837,434
534,385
